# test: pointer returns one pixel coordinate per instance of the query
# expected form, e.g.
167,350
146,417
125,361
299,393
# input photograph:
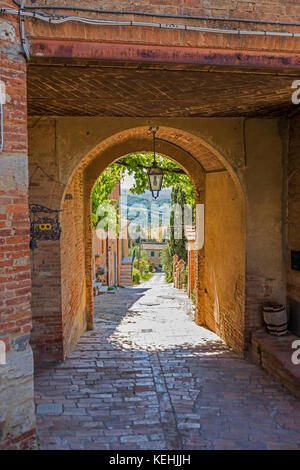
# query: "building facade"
153,251
110,249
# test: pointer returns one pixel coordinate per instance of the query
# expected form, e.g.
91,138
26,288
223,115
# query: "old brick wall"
17,419
45,189
191,269
274,355
73,288
148,43
58,267
277,10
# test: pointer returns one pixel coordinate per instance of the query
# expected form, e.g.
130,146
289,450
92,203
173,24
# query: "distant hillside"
144,203
140,208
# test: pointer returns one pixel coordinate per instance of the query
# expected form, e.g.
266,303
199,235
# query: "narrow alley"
147,377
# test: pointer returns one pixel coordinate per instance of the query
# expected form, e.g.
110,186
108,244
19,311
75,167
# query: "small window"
152,254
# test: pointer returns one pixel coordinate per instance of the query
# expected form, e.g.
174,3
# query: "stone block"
49,409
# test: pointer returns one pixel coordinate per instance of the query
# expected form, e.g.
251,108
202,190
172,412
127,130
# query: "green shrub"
143,264
167,263
150,268
185,276
136,276
147,276
193,296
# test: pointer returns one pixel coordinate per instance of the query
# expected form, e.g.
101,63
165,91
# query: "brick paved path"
148,378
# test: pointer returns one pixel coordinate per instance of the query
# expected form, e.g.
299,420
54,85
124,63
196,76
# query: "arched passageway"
220,264
79,77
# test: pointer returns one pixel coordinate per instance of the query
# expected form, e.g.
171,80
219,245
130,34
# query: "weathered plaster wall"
225,260
293,208
17,418
264,198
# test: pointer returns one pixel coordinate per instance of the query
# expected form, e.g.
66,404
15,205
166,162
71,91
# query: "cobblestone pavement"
148,377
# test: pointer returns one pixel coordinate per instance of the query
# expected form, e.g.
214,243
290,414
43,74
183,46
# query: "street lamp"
155,174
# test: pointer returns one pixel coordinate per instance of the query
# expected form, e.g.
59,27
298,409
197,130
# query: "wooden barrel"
275,317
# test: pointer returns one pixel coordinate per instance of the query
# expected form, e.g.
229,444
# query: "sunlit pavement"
148,377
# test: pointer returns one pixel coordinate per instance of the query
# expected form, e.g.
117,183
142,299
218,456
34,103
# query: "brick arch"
208,157
188,150
203,164
200,160
188,163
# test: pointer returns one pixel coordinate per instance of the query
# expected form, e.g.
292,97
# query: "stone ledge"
274,355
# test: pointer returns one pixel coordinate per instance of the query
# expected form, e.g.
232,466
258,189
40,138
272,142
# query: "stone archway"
221,309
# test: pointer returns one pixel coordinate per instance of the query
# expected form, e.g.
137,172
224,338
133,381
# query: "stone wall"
17,418
273,354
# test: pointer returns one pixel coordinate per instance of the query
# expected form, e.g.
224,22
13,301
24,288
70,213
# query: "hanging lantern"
155,174
155,177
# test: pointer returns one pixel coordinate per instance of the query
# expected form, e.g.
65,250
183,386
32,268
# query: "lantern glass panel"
155,176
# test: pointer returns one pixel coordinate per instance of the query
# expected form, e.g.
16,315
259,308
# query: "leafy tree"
136,276
102,189
137,165
178,245
142,266
167,262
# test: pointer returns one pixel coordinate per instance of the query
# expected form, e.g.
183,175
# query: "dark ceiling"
131,89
